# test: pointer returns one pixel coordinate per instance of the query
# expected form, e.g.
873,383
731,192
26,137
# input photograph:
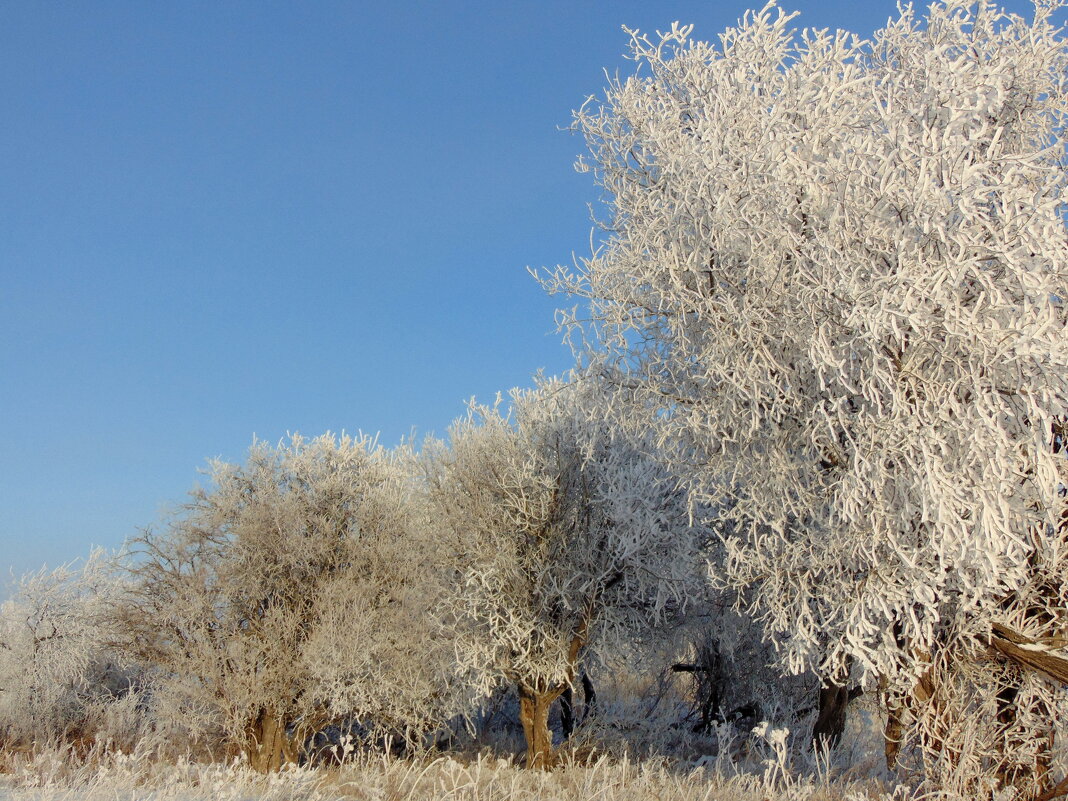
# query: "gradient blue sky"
227,219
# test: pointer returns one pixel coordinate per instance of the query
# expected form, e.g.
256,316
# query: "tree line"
823,370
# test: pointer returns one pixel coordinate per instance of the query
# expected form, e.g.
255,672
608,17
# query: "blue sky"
228,219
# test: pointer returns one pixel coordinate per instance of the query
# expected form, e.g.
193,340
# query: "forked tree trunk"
906,706
535,703
534,713
267,745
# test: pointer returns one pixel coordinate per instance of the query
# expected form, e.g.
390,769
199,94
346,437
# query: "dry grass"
59,776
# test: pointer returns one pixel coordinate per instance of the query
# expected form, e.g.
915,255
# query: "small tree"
294,592
834,269
567,539
60,665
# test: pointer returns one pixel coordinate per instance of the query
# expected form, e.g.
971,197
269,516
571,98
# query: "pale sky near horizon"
222,220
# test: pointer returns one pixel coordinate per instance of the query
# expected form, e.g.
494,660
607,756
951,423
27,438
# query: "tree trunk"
567,713
568,718
589,697
928,705
910,706
894,731
534,704
534,713
830,723
267,746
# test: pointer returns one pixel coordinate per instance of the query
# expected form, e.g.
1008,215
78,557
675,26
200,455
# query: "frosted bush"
63,676
295,592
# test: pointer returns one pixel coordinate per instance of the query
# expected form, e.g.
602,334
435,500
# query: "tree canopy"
834,269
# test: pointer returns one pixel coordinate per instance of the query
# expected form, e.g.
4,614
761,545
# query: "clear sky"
220,220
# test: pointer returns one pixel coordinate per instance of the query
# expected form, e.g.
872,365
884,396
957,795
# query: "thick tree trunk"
928,703
919,701
534,713
267,746
534,704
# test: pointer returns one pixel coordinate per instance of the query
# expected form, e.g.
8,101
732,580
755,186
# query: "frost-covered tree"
293,592
568,541
60,665
836,270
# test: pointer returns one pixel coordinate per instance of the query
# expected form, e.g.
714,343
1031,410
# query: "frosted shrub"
296,592
61,675
834,272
